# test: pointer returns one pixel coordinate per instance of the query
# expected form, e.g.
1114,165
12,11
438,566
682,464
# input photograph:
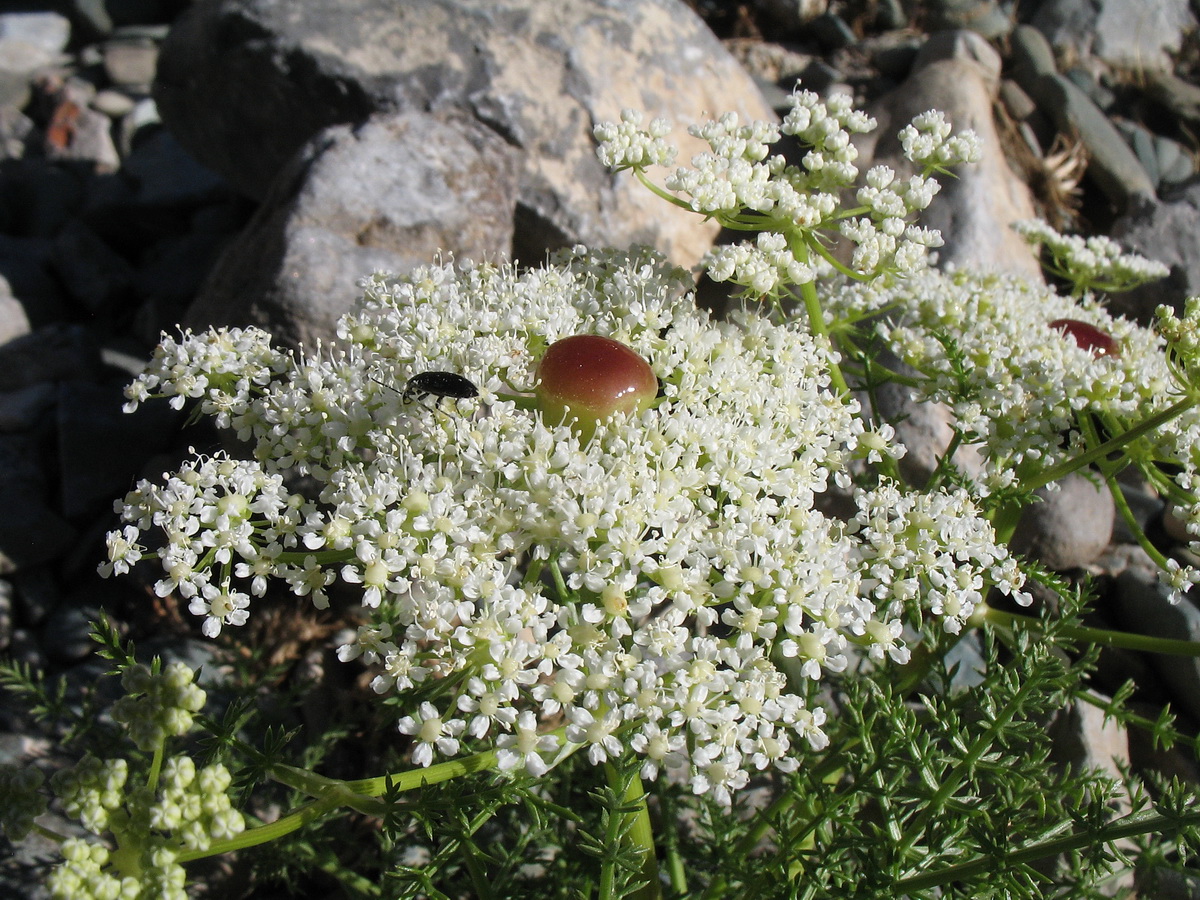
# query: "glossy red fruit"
1088,337
585,378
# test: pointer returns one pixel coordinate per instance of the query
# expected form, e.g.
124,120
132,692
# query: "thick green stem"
1099,636
638,834
1113,445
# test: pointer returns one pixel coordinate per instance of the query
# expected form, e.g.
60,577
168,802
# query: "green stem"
817,326
332,794
1100,636
637,832
672,858
1130,826
1113,445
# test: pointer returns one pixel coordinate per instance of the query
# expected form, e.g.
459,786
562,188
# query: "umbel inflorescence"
634,588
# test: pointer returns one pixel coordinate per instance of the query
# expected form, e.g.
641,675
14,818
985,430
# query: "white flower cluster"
189,810
797,208
1094,263
1016,362
625,145
156,706
928,142
639,587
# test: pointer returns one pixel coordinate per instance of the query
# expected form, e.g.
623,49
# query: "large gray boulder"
245,84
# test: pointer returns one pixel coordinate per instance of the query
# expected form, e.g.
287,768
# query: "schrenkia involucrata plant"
649,604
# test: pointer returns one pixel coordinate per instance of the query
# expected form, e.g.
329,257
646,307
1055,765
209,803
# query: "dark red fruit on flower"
1088,337
585,378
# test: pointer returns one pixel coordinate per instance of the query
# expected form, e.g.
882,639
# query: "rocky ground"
163,162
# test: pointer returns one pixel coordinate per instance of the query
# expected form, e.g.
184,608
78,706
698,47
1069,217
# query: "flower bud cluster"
741,183
188,810
1096,263
634,585
157,705
625,145
21,799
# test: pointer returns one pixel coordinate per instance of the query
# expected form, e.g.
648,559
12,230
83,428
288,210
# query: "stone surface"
1070,527
1031,56
1130,33
539,75
1144,607
1164,230
974,209
387,195
1111,163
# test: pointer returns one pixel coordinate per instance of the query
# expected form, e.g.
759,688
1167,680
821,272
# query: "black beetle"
439,384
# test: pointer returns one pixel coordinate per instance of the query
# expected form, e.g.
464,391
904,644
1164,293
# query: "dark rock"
1144,607
37,594
37,199
1030,57
434,185
92,272
24,408
31,532
896,60
26,649
1070,527
1164,230
165,174
786,19
1127,33
1179,99
100,447
1112,165
56,352
831,32
328,62
1165,883
66,633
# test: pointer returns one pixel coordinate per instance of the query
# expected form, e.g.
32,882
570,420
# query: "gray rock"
29,42
100,447
1087,82
1129,33
81,134
16,132
1164,883
1018,103
1030,57
434,185
6,613
131,62
13,320
974,209
539,75
113,103
1164,230
1070,527
925,429
93,273
831,32
1141,141
961,45
985,17
1175,163
1112,165
1144,607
